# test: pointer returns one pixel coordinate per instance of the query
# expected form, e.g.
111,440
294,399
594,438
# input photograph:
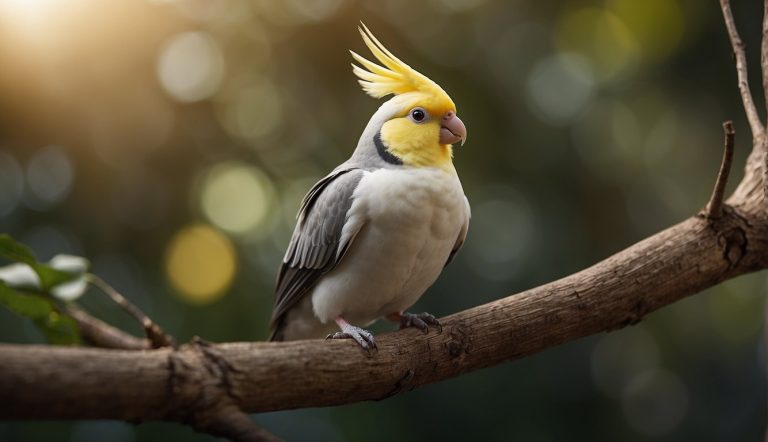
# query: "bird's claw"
422,321
363,337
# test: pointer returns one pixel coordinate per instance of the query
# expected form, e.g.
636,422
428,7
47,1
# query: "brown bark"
100,334
155,384
211,387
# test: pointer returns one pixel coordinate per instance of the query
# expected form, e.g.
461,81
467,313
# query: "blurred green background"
170,141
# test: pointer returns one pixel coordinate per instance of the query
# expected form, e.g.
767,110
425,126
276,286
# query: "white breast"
412,219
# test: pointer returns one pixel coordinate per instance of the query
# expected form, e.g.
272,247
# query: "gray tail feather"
276,331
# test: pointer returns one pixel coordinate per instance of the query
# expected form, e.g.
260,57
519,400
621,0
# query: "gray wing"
461,238
317,245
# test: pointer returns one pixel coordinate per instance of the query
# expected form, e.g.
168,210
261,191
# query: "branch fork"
759,158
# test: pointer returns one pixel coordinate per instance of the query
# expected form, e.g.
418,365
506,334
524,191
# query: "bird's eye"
418,115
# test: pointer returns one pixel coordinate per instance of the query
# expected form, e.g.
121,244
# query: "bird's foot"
422,321
363,337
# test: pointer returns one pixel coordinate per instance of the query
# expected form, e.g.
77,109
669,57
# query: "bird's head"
419,125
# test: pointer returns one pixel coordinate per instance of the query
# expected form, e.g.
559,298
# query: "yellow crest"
395,77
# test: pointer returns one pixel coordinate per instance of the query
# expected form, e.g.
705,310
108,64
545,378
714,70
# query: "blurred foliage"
57,328
145,134
24,290
47,275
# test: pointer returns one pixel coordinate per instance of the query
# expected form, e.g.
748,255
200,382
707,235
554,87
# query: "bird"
376,232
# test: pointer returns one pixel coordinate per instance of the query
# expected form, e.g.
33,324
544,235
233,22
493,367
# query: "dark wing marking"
461,238
317,245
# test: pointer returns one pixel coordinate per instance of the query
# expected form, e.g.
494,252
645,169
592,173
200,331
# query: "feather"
394,77
317,245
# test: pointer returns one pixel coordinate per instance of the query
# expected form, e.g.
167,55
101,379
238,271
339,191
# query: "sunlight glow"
25,9
28,18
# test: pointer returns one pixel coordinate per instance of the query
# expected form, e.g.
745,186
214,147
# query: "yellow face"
414,137
422,133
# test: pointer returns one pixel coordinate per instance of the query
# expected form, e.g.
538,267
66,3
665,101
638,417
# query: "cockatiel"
376,232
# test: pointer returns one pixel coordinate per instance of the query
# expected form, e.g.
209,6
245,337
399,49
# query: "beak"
452,129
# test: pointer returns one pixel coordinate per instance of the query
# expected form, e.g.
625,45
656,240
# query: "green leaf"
28,305
14,251
57,328
50,277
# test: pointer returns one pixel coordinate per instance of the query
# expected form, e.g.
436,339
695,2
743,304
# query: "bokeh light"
657,25
559,87
600,36
655,402
236,197
191,66
200,263
49,177
250,108
504,225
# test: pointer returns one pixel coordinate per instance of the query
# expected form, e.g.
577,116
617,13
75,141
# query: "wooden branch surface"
177,384
100,334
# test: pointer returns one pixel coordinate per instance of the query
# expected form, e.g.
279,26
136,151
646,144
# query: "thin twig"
100,334
714,208
154,333
741,70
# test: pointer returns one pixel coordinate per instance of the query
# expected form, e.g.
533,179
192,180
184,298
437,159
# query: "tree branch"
682,260
221,417
752,192
100,334
216,413
764,68
741,69
157,337
714,208
764,54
